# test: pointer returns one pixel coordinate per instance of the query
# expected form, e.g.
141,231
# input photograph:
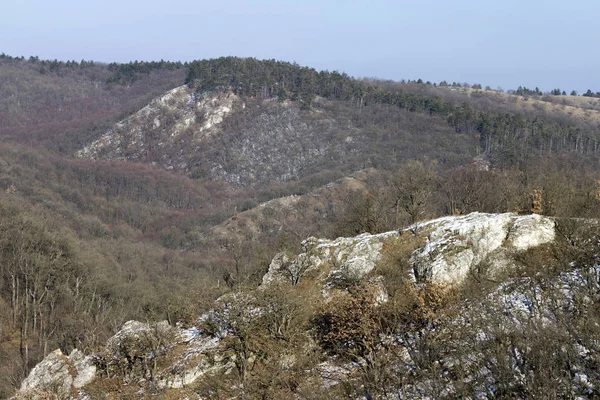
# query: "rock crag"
448,249
453,246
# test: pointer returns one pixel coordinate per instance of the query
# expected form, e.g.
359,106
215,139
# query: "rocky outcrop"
175,118
446,251
58,374
340,259
164,356
170,357
453,247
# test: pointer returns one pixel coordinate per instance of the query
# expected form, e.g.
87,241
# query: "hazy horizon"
507,44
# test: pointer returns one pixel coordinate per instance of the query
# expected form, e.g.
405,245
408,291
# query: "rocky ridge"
448,249
453,246
178,117
254,141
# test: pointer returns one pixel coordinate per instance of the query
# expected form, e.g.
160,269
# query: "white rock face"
134,331
159,125
192,364
59,374
457,245
214,109
530,231
132,131
453,247
346,258
62,376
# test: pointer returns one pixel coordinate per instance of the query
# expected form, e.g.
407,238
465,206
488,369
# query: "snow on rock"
523,300
520,306
58,374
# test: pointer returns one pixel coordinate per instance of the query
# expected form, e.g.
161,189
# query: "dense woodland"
62,105
86,246
502,135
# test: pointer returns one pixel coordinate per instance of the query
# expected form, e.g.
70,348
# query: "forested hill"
62,105
146,190
505,135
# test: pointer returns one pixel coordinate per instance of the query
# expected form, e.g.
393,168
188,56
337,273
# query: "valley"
243,228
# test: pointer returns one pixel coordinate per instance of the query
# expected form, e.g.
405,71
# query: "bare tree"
414,185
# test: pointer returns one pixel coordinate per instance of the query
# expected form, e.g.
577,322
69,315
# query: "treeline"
505,137
49,66
126,74
589,93
121,73
522,91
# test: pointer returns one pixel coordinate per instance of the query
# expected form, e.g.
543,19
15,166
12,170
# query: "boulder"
59,374
456,246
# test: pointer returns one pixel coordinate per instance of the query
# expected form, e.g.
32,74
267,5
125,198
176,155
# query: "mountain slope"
248,141
252,123
183,193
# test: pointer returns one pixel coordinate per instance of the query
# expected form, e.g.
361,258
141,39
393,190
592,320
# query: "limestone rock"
58,375
134,332
454,246
342,258
457,245
84,368
160,125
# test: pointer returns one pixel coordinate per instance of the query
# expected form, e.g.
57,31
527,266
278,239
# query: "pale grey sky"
507,43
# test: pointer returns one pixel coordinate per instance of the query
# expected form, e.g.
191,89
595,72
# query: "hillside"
582,111
251,122
62,104
248,141
453,307
145,191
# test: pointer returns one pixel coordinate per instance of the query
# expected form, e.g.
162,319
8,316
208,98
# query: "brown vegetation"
85,246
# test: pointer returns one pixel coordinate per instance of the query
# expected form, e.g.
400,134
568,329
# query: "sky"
501,43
